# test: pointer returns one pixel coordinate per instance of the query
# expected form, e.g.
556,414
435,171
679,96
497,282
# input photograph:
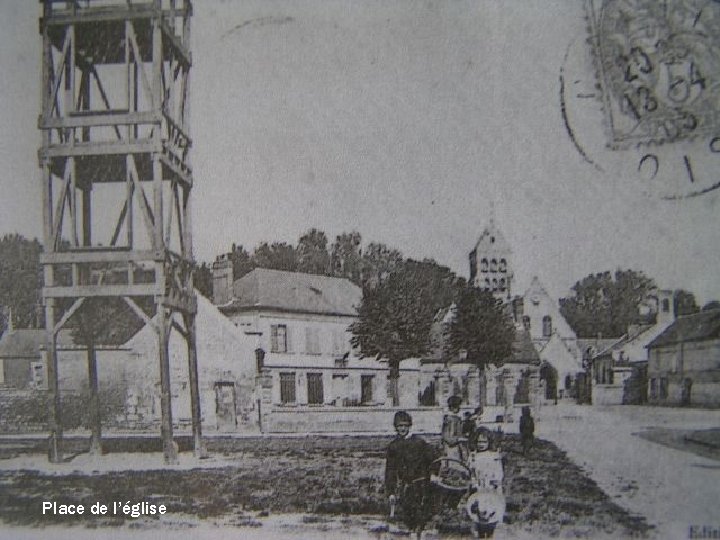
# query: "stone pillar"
264,399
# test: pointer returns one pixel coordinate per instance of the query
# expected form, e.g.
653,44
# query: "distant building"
619,371
684,362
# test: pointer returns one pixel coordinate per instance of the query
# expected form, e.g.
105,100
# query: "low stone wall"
26,410
606,394
362,419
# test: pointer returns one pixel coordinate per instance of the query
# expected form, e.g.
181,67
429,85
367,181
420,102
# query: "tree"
202,280
606,304
242,262
395,317
378,262
480,327
276,256
20,280
312,254
346,257
684,303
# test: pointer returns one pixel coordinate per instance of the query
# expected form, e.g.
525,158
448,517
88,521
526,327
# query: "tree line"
401,297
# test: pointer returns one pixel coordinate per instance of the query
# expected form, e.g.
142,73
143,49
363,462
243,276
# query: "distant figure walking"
527,429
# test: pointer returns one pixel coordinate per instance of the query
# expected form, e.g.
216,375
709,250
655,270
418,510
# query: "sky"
409,121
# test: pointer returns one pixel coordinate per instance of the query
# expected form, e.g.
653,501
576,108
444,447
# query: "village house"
311,378
619,371
684,362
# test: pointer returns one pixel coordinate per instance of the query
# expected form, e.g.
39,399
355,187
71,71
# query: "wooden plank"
105,14
146,211
100,255
183,175
183,53
138,62
57,74
140,313
104,97
60,208
137,289
69,313
137,146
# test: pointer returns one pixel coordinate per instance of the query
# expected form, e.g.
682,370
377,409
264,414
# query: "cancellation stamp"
653,70
658,67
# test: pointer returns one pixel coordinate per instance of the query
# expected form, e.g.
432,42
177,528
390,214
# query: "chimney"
222,274
665,307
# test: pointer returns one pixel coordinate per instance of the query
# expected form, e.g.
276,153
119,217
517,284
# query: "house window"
487,284
665,305
502,267
663,388
484,265
287,387
493,265
547,326
526,322
502,284
366,393
315,389
312,340
278,338
653,388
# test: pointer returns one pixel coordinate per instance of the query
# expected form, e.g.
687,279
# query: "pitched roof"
491,237
27,342
696,327
22,343
294,292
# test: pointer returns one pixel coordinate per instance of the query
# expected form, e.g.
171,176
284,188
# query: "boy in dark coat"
527,429
407,475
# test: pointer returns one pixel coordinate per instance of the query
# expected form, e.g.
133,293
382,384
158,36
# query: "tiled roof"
697,327
294,292
27,342
22,343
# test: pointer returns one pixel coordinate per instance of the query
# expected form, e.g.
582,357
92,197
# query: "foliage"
312,253
395,317
606,303
107,321
20,280
277,256
346,257
480,327
684,303
202,279
378,262
712,304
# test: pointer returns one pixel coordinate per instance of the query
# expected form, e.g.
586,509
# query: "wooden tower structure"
117,178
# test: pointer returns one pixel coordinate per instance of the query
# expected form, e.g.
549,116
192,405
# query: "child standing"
527,429
407,474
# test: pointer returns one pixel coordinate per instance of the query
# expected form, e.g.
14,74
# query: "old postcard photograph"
382,269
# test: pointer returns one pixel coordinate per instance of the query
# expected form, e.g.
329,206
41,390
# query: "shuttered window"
366,393
315,389
278,338
287,387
